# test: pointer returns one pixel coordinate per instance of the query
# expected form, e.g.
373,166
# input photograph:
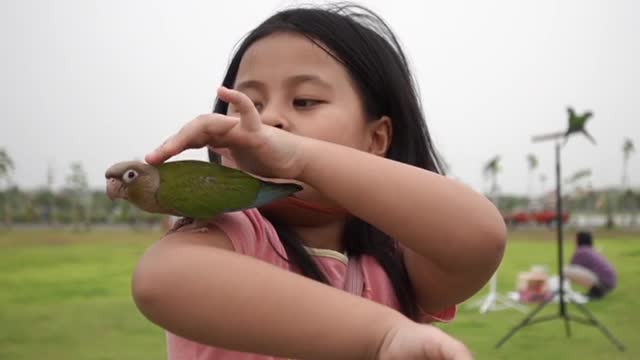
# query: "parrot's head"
133,181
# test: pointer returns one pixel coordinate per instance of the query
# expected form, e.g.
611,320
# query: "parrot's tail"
270,191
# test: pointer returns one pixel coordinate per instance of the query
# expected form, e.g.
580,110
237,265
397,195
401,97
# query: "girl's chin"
298,212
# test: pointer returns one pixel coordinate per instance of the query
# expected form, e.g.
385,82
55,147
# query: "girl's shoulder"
253,235
249,233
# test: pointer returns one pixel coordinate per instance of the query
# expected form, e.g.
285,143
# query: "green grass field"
66,295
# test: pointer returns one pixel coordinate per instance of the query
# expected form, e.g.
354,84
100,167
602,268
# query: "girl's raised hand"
255,147
412,341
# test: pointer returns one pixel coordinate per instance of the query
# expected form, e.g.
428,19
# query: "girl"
323,97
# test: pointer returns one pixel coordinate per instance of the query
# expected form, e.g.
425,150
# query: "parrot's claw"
194,225
203,229
200,226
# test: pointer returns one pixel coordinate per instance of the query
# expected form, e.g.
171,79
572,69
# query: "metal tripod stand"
562,313
495,301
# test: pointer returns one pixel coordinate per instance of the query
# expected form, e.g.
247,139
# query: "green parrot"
577,124
194,189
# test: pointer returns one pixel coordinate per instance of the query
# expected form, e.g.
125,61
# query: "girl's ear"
380,134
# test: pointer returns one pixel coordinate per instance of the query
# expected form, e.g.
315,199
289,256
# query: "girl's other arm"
191,284
454,238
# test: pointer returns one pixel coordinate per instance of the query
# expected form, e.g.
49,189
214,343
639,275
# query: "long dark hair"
363,43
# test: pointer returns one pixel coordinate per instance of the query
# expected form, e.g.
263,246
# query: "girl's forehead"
285,53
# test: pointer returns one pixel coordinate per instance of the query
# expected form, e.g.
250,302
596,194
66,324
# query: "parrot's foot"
201,226
194,225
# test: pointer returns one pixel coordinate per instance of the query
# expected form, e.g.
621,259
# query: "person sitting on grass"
590,269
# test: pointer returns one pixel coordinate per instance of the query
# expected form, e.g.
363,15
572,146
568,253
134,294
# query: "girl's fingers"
249,116
209,129
196,134
158,155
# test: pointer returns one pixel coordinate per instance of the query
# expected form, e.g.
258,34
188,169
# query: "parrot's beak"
116,189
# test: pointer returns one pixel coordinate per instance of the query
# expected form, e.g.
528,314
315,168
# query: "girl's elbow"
496,240
495,232
143,289
499,233
490,234
148,287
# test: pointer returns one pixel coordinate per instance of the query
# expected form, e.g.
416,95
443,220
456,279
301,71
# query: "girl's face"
295,85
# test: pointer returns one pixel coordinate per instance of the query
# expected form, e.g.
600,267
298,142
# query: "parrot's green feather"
202,190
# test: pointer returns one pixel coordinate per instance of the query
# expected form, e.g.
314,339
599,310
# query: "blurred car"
534,216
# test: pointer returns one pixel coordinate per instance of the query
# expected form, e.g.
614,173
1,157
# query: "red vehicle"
542,217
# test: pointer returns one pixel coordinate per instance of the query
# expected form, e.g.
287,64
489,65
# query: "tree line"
74,204
78,205
578,194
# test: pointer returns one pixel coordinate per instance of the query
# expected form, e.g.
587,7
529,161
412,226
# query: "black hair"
584,238
365,45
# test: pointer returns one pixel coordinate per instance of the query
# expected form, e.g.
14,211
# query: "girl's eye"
305,103
258,106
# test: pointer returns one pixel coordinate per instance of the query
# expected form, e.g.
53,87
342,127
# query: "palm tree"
490,172
6,167
51,210
6,164
579,192
577,176
606,202
627,149
532,162
79,192
543,189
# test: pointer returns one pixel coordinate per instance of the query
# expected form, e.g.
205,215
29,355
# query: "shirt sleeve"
252,235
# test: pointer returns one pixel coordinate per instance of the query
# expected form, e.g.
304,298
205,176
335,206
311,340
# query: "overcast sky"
105,81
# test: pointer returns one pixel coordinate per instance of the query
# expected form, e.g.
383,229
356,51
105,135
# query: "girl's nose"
273,118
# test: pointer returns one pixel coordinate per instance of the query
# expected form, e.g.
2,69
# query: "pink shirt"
253,235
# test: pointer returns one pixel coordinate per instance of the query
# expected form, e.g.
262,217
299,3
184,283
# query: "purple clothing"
587,257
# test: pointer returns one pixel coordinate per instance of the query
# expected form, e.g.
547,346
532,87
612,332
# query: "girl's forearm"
224,299
435,216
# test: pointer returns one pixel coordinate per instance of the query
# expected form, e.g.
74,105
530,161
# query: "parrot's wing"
270,191
203,190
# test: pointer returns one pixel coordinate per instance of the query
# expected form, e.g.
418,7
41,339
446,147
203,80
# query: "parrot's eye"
129,176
